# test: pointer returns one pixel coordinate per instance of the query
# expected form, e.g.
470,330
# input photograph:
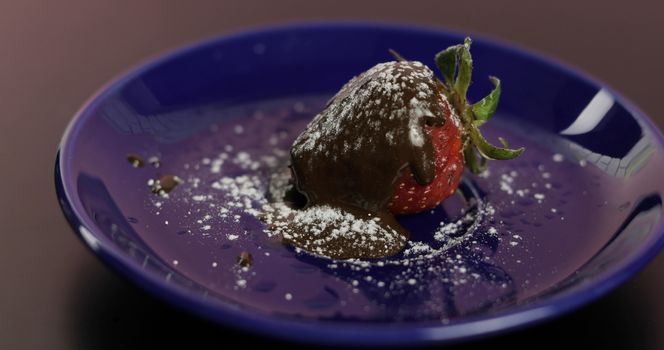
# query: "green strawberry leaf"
490,151
446,61
470,159
486,107
465,70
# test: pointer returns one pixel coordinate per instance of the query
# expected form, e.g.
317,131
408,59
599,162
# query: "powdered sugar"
356,101
415,123
238,201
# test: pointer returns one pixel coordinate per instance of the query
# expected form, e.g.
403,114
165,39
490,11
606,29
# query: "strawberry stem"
397,56
456,65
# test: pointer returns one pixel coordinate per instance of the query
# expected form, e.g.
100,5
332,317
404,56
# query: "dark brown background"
54,54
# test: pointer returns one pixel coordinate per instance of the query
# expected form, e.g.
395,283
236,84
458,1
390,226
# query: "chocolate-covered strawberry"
393,140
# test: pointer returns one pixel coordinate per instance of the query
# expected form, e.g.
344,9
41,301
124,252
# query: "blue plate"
533,238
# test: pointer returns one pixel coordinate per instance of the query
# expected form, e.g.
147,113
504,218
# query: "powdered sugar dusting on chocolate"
325,231
387,92
415,124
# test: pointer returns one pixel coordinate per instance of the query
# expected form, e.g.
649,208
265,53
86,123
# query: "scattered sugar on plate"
557,157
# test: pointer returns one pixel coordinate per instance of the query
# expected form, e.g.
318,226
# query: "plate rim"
352,333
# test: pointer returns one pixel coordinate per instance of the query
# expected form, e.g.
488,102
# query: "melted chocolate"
351,155
245,259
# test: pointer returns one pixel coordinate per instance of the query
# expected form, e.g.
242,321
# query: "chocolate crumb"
168,182
245,259
135,160
164,184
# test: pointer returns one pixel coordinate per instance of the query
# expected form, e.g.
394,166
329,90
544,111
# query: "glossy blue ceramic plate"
575,216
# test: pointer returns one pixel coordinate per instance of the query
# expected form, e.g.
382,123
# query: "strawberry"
457,142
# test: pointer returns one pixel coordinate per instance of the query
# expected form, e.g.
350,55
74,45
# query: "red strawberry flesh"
410,197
